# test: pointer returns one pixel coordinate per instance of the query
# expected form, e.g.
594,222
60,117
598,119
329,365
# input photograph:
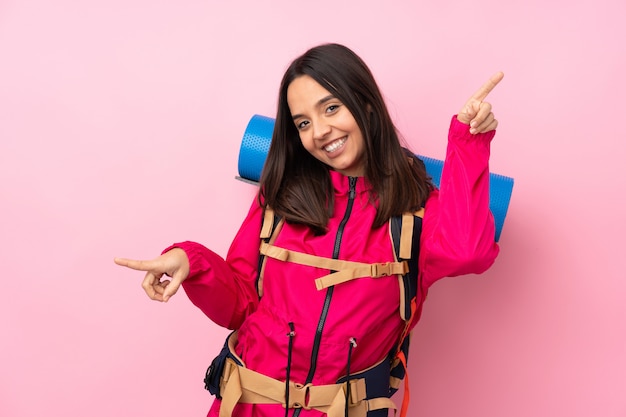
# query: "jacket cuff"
197,262
460,131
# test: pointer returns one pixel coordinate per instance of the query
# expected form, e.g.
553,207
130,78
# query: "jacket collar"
341,183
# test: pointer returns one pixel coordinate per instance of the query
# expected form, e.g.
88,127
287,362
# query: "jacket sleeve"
458,235
225,289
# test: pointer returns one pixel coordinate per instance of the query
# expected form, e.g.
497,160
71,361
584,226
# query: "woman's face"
327,128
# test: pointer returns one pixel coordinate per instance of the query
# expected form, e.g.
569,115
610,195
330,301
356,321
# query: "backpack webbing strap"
346,270
268,223
376,270
407,397
406,236
269,231
402,230
406,233
242,385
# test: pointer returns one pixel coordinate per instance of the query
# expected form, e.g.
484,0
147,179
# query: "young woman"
336,175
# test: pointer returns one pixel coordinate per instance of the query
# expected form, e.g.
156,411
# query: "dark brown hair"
297,186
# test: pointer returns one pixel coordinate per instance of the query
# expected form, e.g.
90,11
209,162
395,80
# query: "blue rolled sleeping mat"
256,143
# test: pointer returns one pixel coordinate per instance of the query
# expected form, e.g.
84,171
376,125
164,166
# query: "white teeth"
335,145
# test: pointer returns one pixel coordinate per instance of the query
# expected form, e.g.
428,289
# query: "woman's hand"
173,263
476,113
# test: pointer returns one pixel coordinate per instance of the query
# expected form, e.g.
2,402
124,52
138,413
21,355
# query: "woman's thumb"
171,288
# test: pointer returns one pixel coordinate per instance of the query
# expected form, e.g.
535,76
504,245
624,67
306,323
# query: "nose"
321,129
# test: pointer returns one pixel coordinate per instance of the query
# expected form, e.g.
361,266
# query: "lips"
335,145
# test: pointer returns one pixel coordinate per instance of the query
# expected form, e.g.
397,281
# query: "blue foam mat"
258,136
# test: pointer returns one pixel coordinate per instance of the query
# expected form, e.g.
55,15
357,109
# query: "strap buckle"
381,270
299,396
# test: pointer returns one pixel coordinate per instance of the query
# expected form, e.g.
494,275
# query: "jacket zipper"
329,291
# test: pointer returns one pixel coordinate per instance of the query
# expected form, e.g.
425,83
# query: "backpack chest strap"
345,270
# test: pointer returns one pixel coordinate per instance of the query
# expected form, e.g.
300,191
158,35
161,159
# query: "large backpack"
404,232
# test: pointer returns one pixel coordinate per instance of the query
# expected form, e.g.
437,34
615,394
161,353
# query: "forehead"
304,93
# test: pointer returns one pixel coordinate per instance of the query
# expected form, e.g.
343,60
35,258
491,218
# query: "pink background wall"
120,125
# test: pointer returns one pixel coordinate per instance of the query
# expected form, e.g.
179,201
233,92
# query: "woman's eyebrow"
319,103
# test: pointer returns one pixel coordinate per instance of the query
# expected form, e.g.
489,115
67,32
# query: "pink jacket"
457,238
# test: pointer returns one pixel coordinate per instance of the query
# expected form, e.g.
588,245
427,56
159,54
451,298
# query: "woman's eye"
302,125
332,108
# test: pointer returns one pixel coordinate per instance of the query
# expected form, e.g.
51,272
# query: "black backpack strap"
405,236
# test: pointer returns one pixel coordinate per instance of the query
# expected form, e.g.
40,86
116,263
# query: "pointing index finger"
134,264
486,88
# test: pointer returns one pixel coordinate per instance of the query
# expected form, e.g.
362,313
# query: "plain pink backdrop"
120,125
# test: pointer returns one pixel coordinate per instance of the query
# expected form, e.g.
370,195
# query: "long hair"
298,187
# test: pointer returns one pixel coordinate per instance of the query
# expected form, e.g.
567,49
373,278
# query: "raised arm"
459,230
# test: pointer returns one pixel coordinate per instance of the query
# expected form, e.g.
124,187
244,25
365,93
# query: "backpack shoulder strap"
270,228
405,234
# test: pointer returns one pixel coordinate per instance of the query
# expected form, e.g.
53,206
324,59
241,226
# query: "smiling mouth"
332,147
